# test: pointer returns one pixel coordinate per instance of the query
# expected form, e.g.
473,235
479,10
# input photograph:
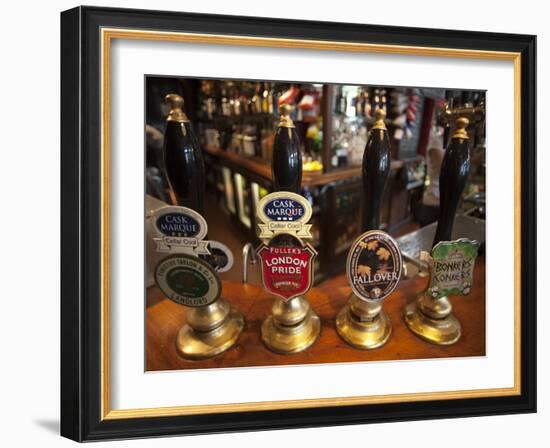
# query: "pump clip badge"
284,212
287,271
180,230
452,267
187,280
374,265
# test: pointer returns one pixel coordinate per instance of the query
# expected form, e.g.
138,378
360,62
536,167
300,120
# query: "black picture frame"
81,224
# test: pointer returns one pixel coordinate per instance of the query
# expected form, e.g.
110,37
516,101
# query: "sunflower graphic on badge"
373,268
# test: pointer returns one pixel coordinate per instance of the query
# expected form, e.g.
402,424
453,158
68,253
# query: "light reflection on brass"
363,324
460,131
432,320
176,108
285,120
380,116
292,326
210,330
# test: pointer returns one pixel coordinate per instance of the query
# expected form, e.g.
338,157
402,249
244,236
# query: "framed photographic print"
276,224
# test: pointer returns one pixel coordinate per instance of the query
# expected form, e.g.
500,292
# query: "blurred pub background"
236,121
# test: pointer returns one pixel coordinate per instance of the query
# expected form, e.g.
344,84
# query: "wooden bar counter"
164,318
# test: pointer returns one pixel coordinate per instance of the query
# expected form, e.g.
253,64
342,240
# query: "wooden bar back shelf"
261,168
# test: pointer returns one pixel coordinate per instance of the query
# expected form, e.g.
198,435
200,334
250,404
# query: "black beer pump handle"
455,169
286,165
183,158
376,167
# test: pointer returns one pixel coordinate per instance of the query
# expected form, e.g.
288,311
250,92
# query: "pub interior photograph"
235,124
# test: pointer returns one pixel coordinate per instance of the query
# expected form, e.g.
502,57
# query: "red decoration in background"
427,116
289,96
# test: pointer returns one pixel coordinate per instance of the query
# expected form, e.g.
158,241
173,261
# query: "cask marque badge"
187,280
180,230
287,271
374,265
284,212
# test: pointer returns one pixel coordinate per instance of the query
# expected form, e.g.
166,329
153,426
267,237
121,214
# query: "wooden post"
327,108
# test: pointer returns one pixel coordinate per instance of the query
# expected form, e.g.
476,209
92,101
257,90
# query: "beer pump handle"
183,159
286,164
455,169
376,167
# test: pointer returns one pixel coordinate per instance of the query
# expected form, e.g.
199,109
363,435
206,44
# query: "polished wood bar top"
309,178
164,318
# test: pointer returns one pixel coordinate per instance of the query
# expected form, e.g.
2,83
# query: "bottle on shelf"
275,100
341,101
265,98
376,101
359,103
237,103
367,108
225,103
257,99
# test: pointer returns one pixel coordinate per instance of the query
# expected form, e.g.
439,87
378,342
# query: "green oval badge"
187,280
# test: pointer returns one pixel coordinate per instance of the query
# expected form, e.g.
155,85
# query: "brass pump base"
210,330
363,324
292,327
432,320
